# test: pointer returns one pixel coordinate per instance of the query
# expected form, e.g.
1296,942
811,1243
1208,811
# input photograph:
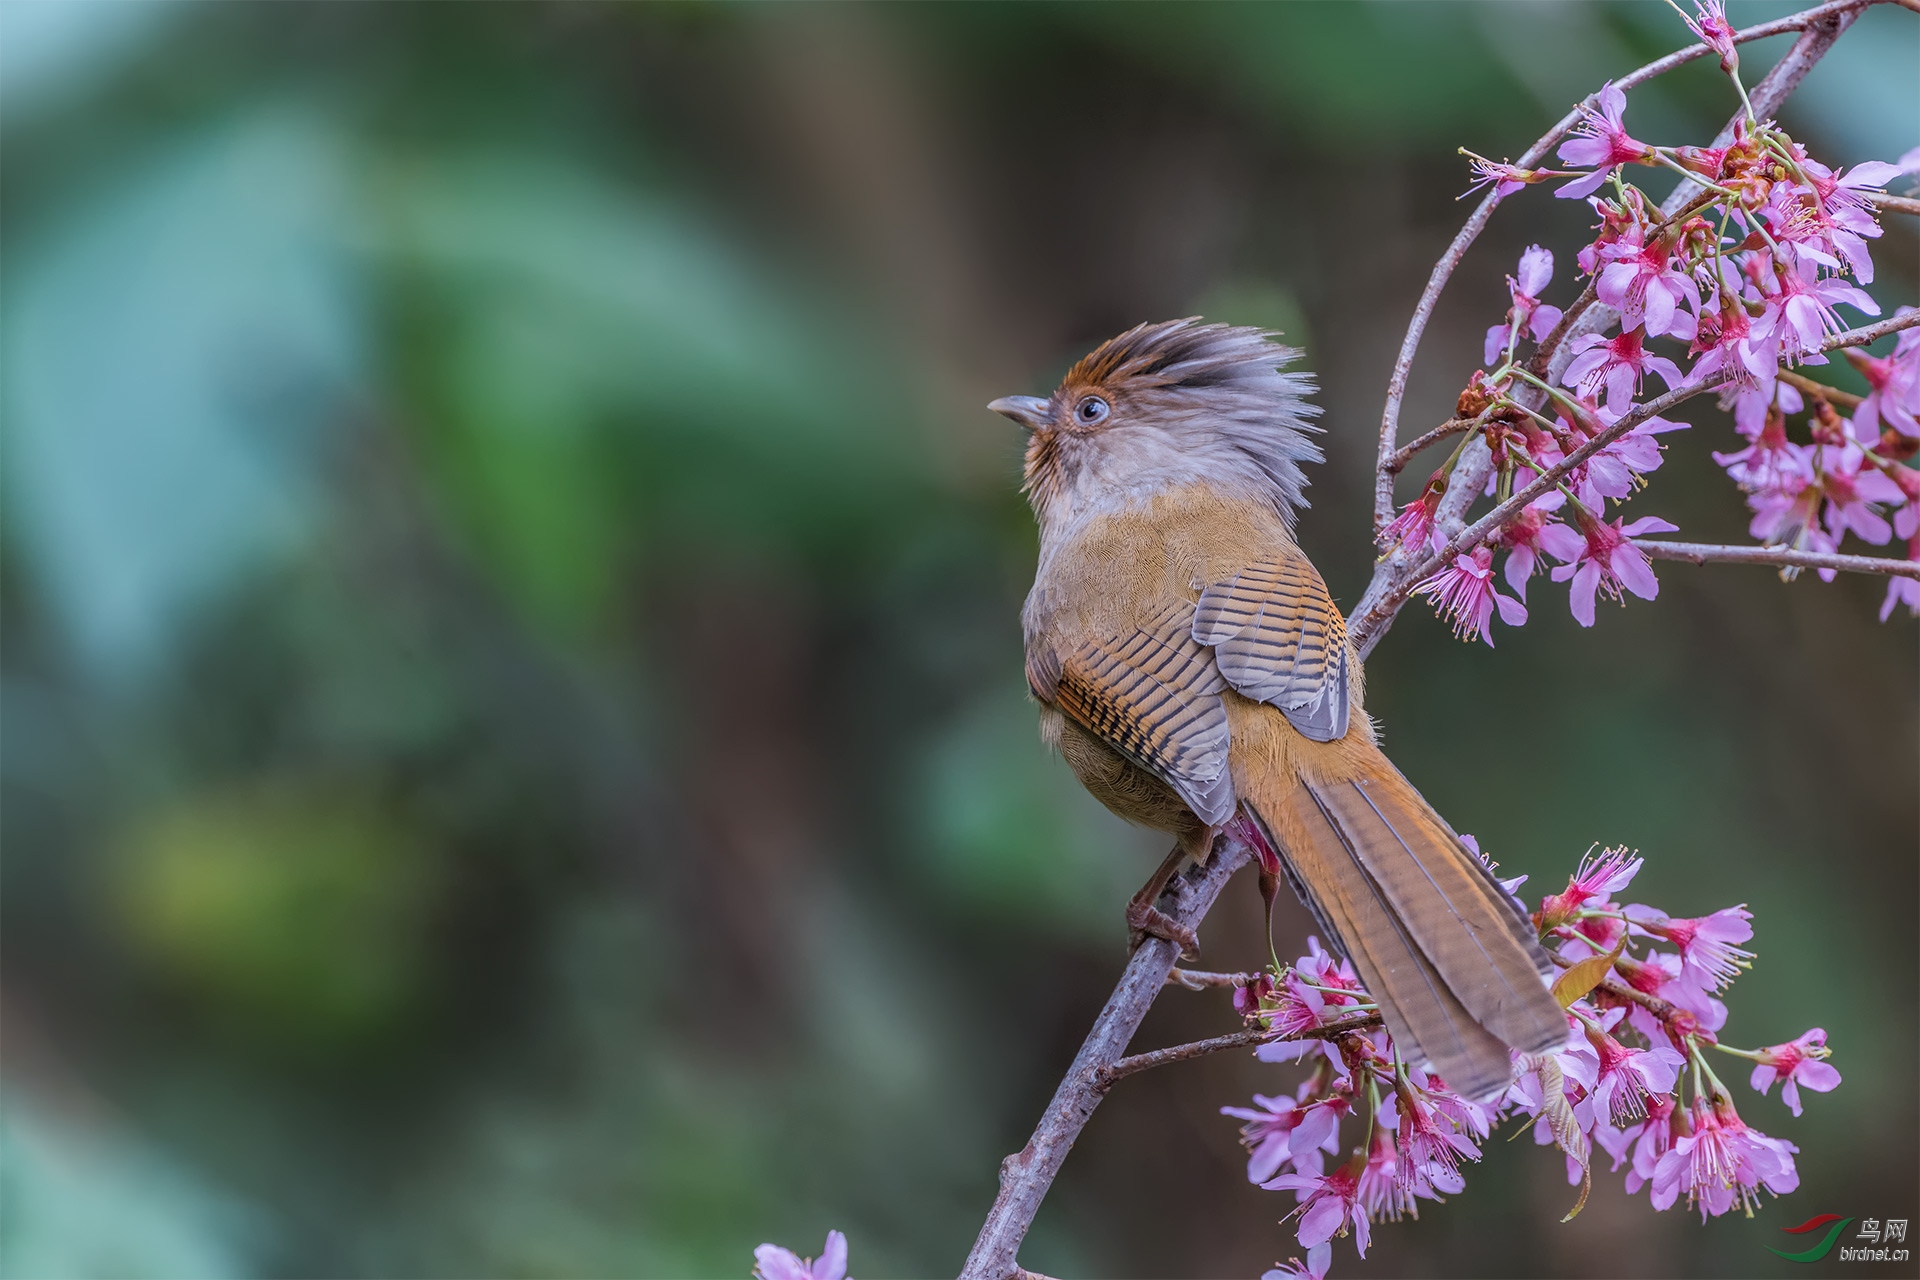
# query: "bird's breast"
1113,570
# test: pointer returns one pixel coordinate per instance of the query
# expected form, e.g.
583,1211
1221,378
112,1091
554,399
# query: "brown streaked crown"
1217,390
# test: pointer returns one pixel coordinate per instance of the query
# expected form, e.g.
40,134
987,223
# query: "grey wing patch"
1278,639
1154,696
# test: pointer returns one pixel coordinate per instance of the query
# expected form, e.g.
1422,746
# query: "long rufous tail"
1451,958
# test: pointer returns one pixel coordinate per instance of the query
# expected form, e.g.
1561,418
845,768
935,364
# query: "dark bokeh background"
515,755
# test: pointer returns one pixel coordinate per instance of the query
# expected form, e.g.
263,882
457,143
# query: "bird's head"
1178,402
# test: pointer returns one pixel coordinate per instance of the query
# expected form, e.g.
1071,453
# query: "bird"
1196,676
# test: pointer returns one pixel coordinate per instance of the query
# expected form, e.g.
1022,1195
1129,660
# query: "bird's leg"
1250,833
1269,887
1144,919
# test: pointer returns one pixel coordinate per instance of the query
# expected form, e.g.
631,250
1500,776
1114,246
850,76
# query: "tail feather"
1454,964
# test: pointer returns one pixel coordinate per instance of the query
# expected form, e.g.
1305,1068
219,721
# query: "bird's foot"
1145,920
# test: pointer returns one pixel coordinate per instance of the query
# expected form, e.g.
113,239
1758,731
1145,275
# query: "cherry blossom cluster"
1367,1136
1736,290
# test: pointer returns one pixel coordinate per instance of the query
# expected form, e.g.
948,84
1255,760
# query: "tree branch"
1704,553
1832,395
1892,203
1252,1037
1405,454
1026,1175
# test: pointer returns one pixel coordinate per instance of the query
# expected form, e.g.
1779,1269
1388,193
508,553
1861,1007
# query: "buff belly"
1122,786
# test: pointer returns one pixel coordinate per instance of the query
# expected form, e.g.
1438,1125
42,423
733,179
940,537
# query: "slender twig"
1832,395
1200,980
1704,553
1252,1037
1367,628
1892,203
1404,455
1477,220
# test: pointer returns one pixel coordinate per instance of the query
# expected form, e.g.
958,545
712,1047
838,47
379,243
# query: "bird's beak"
1030,412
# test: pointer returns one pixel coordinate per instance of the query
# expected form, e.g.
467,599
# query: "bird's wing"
1278,638
1153,695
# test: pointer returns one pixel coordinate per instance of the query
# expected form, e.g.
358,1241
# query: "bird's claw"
1145,920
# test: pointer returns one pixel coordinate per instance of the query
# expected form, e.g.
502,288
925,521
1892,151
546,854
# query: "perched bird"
1194,673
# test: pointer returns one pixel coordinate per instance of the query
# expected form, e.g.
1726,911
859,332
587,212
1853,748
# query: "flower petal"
1821,1077
832,1263
1321,1220
1580,599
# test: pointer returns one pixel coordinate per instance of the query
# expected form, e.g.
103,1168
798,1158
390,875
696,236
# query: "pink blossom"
1785,516
1431,1143
1251,998
1522,537
1841,215
1464,593
1852,486
1800,311
771,1262
1663,974
1604,562
1593,935
1895,382
1707,953
1726,341
1281,1130
1714,31
1467,1115
1628,1076
1615,471
1906,521
1771,463
1798,1062
1594,881
1641,282
1390,1189
1600,139
1267,1134
1319,1258
1618,1143
1504,178
1310,992
1413,527
1331,1205
1723,1163
1528,314
1618,364
1665,1122
1616,218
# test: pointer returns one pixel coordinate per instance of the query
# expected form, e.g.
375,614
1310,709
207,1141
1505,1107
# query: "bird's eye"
1091,410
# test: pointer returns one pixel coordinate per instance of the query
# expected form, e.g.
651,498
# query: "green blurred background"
515,754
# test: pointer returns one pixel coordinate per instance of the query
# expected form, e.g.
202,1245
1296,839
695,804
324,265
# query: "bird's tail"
1449,955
